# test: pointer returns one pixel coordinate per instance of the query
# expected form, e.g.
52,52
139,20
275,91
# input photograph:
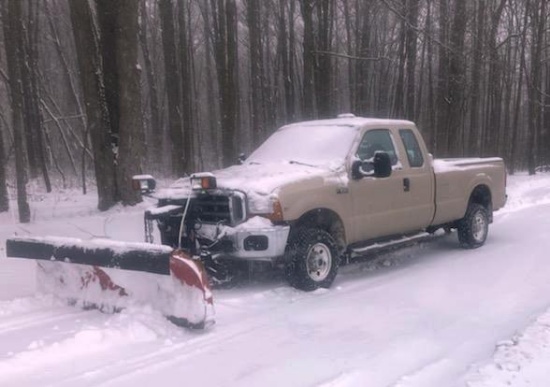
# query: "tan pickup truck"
318,190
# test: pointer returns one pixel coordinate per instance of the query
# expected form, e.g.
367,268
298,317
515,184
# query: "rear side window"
414,153
376,140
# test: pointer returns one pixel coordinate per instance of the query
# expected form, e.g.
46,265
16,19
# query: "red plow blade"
113,275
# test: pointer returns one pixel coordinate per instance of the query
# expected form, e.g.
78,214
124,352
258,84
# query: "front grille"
226,209
213,209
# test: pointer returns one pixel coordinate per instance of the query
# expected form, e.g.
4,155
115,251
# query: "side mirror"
144,183
378,166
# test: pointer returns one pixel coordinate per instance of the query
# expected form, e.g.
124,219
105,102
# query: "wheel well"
482,195
326,220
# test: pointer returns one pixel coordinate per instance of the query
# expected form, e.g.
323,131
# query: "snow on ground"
426,315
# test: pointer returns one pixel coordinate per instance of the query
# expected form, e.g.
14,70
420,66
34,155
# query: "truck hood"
260,182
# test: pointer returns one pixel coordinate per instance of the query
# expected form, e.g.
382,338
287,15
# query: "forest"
93,92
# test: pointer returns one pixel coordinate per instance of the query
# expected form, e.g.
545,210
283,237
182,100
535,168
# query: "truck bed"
455,179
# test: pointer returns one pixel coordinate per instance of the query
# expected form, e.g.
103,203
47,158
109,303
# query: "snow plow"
111,276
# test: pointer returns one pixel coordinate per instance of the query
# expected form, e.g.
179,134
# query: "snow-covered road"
427,315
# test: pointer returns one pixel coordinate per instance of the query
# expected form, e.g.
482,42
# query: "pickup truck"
316,191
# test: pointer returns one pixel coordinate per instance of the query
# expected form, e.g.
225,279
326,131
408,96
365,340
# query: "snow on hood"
260,182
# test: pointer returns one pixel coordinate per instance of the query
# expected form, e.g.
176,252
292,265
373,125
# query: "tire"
474,227
312,259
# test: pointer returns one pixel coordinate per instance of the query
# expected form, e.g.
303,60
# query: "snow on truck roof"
352,121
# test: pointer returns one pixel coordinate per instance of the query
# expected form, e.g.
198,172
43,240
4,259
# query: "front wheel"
312,259
474,227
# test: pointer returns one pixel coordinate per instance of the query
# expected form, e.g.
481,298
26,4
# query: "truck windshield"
319,146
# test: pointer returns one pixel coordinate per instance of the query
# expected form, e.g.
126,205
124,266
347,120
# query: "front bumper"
264,244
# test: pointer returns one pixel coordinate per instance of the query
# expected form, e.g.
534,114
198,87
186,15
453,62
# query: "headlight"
267,207
276,214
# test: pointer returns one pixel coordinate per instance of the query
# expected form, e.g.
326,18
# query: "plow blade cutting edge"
114,275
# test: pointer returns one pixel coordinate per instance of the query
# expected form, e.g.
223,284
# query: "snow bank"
524,360
526,191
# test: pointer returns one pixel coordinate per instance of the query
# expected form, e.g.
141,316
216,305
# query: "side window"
377,140
414,153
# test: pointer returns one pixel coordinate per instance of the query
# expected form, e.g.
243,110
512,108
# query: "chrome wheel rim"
318,262
479,227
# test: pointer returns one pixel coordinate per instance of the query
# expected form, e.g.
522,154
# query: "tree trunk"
107,11
225,37
186,90
172,84
494,92
442,102
156,125
231,92
323,62
475,100
131,137
256,69
210,92
31,90
457,80
4,199
399,89
286,29
89,63
411,54
308,96
534,116
76,96
11,15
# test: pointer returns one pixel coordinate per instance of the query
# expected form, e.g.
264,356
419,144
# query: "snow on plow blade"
113,275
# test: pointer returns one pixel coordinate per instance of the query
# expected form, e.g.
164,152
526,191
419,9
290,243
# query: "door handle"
406,184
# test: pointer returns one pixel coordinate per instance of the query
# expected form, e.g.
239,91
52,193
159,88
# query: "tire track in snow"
35,319
193,346
175,353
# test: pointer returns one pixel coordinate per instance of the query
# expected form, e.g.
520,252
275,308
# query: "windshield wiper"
296,162
304,164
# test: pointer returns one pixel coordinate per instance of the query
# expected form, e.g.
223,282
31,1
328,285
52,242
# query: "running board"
392,244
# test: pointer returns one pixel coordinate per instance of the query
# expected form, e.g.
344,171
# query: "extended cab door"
377,203
418,198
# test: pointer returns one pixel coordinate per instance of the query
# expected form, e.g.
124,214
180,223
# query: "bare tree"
131,147
186,76
226,55
457,80
538,23
326,106
89,61
286,45
172,82
11,16
256,69
4,199
308,93
411,55
156,124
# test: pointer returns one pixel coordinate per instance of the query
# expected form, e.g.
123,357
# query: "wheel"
312,259
474,227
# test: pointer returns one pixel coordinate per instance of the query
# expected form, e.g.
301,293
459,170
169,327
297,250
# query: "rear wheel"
312,259
474,227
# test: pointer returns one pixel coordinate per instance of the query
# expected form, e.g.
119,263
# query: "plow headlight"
144,183
203,181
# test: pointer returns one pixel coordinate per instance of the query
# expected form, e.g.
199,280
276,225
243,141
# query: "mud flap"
111,276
